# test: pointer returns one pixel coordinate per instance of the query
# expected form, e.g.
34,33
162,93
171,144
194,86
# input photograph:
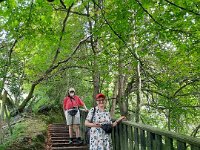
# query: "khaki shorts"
72,119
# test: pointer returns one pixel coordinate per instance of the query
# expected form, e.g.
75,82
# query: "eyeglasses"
101,101
71,92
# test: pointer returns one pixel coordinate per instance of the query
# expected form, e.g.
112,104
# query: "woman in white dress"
99,139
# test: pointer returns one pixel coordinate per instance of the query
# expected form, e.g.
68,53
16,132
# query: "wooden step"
58,131
57,128
65,144
58,139
71,148
62,139
57,125
60,135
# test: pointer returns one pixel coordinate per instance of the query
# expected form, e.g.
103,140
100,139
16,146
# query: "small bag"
107,128
73,112
87,132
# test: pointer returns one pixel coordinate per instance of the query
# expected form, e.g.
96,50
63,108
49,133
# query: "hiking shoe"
70,142
78,141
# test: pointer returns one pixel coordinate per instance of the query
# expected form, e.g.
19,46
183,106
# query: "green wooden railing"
134,136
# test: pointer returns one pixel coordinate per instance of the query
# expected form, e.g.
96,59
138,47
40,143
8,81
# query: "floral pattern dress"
99,140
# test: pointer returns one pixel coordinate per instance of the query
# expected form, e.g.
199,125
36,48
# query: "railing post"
181,145
125,136
136,138
130,135
158,141
113,138
117,138
142,139
194,148
121,136
168,143
82,124
150,141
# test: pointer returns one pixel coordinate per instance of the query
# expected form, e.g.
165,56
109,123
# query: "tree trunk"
1,124
6,111
169,120
138,92
121,82
30,95
8,120
96,85
93,44
2,109
114,99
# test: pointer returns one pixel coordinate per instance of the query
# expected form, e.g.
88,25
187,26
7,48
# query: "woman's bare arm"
89,124
118,120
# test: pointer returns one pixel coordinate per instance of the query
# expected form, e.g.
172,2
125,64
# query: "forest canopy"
143,55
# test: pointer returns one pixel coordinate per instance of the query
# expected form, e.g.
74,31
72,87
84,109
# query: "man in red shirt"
70,105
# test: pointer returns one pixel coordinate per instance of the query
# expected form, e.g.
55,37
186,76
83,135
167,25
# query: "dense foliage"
103,46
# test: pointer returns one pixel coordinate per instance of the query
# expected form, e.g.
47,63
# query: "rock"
40,137
45,109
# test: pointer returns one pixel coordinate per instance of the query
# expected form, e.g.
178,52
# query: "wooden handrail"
178,136
136,136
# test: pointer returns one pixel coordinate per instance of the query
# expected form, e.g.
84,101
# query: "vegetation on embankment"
29,130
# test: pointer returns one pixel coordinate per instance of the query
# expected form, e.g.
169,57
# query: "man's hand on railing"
85,110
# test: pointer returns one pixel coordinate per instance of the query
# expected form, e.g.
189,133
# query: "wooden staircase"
58,139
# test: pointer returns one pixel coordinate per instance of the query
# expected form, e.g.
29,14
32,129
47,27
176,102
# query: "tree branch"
195,131
63,4
29,16
62,32
182,7
118,35
188,94
10,52
51,68
73,12
90,30
186,84
163,27
164,107
68,67
156,92
64,8
140,4
64,68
